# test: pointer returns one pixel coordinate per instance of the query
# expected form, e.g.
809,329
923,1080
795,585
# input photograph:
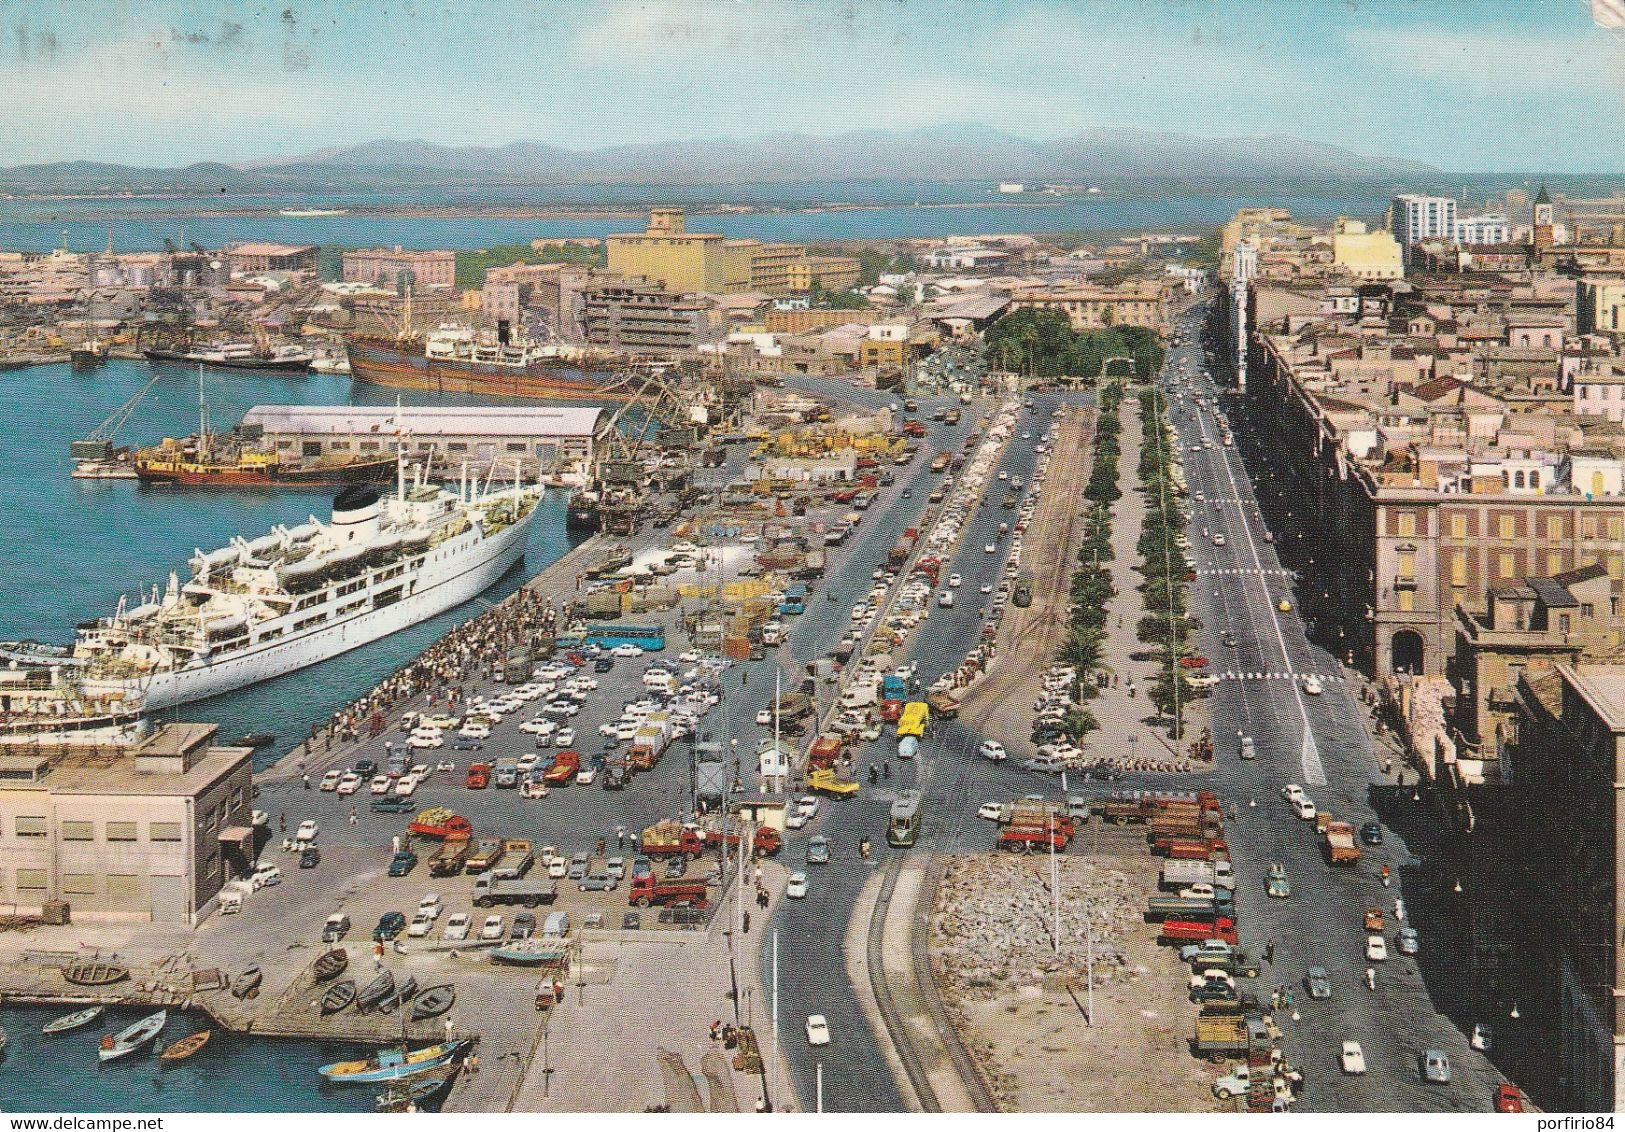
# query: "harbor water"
74,546
60,1073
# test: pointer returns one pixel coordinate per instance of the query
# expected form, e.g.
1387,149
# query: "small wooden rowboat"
132,1038
338,996
375,992
94,972
331,964
402,995
434,1002
78,1020
247,982
186,1047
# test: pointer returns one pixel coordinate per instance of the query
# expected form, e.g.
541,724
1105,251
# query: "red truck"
1034,838
646,890
566,764
479,776
825,750
765,842
1195,931
1190,848
439,822
672,838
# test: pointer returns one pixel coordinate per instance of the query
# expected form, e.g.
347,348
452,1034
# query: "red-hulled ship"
452,360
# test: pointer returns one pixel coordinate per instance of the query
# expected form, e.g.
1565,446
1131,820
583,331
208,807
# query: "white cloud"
1505,60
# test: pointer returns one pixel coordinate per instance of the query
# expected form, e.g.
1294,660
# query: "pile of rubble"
993,920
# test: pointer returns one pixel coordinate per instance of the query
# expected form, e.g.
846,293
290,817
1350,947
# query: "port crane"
99,444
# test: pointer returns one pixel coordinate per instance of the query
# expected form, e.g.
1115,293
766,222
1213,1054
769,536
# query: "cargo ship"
294,597
452,360
212,463
235,355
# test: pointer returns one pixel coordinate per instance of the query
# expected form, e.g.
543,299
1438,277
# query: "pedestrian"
473,1064
353,816
1269,952
620,837
306,778
600,846
745,921
1275,1000
282,823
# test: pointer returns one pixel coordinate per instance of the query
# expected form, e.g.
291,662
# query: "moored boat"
94,972
418,1089
433,1002
78,1020
132,1037
530,952
247,982
331,964
258,739
338,996
186,1047
400,996
392,1064
451,360
369,996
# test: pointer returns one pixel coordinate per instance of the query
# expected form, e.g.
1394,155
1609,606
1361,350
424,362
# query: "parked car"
491,930
390,925
1407,942
1371,833
1436,1067
993,750
524,925
456,927
796,888
598,882
817,1030
1376,948
1352,1059
1318,983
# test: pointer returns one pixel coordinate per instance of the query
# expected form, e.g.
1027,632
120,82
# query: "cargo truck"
483,855
893,687
824,751
1190,848
516,859
943,704
450,859
646,891
1340,846
1034,838
913,721
440,823
1160,908
1178,874
825,781
1196,930
1237,963
671,839
530,891
1219,1037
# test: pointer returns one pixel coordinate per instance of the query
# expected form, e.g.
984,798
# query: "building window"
1407,565
1554,562
164,831
1509,526
1407,524
78,831
123,887
1554,526
121,831
1458,570
1587,610
1562,622
30,881
1505,567
1616,527
1458,526
78,884
32,827
1407,601
1588,523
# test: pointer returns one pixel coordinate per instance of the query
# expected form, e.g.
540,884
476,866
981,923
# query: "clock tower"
1542,228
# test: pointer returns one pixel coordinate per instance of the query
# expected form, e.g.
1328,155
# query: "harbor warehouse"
539,438
142,833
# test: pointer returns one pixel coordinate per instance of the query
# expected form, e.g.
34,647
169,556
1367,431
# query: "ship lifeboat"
300,576
205,563
346,563
264,545
142,612
385,549
415,539
303,532
227,626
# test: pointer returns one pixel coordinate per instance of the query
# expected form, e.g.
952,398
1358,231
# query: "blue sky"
1510,86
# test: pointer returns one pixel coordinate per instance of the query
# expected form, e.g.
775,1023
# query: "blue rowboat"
394,1063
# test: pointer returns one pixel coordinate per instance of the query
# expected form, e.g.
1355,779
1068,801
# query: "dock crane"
99,444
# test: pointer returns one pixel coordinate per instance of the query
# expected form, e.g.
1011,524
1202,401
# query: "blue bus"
649,638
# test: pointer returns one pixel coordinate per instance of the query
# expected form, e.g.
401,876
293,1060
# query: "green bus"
904,828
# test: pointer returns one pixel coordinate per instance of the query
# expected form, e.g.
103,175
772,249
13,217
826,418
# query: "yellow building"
1088,306
704,261
1364,253
1600,304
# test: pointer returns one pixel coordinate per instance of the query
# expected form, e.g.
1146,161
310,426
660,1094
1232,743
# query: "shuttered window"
164,831
78,884
123,887
30,880
78,831
28,826
122,831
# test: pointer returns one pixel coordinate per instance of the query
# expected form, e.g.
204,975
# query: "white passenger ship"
298,596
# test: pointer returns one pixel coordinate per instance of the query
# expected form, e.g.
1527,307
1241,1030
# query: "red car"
1507,1098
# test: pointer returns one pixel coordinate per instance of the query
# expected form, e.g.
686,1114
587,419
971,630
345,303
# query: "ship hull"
155,354
379,364
441,585
374,472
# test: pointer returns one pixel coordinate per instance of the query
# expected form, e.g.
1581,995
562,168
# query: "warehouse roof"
506,420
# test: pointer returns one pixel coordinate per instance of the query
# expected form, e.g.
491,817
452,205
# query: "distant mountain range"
941,154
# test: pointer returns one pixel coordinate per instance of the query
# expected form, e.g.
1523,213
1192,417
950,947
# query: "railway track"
913,1068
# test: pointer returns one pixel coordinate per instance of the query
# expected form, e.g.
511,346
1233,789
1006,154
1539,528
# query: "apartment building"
387,266
667,252
643,317
1089,306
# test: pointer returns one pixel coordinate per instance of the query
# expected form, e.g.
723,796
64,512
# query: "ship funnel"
355,516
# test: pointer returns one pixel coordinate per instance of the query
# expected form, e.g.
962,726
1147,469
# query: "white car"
527,762
380,784
994,750
492,928
538,726
585,776
420,771
1376,948
1003,475
330,780
689,656
426,739
625,731
1312,685
583,684
795,819
797,886
987,587
421,925
807,804
609,730
457,927
1291,792
1218,540
406,787
764,718
817,1030
1353,1058
626,650
990,548
954,581
992,811
565,737
350,783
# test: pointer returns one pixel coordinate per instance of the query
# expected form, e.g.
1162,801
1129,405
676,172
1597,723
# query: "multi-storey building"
1089,306
1413,218
387,266
1485,228
688,261
642,317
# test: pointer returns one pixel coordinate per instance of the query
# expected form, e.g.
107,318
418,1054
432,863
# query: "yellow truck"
828,782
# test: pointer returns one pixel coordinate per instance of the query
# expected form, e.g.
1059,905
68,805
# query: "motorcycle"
863,848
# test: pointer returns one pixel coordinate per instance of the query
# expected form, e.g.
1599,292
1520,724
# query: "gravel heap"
994,913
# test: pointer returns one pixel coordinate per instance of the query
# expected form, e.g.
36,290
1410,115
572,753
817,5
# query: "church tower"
1542,229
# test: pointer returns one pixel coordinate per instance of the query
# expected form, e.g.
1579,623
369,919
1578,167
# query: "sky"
1514,86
